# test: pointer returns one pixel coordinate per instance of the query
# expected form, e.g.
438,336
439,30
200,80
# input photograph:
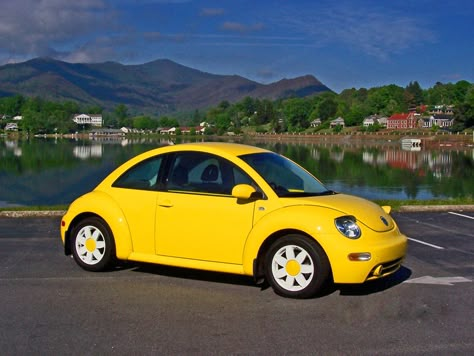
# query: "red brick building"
402,121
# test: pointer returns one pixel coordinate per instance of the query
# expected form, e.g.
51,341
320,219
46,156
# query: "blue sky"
343,43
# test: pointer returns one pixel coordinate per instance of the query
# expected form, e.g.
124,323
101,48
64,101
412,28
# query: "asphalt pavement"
51,306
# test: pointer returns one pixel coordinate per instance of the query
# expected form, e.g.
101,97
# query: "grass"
396,204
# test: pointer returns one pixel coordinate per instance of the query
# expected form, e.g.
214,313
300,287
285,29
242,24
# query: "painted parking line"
426,243
462,215
445,281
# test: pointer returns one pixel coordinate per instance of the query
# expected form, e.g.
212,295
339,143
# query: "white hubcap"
90,245
292,268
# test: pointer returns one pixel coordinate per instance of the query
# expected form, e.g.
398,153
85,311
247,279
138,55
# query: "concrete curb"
30,214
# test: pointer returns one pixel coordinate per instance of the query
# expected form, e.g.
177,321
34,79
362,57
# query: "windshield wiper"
307,194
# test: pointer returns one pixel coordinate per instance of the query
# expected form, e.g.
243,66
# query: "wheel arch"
74,222
313,222
110,214
259,261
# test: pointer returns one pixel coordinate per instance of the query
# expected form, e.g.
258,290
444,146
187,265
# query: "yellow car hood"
365,211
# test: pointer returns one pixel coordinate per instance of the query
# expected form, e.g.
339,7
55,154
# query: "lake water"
56,171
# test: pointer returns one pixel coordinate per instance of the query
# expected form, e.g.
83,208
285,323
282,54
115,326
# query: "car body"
232,208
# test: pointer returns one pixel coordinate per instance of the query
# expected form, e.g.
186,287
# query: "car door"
135,193
196,216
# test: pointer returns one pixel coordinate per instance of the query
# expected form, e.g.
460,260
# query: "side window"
142,176
204,173
241,178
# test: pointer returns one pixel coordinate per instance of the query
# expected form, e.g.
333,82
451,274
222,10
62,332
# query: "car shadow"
370,287
375,286
192,274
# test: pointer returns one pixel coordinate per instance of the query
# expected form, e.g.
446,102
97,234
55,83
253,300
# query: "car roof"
223,149
219,148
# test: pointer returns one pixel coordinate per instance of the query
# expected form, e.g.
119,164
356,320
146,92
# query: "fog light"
359,256
378,271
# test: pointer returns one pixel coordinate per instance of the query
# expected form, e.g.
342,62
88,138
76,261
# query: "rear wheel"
296,267
93,245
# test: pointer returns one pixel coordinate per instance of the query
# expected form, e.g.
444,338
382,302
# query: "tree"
379,100
464,113
94,109
413,94
197,118
166,121
144,123
12,105
121,111
297,112
264,112
327,108
355,116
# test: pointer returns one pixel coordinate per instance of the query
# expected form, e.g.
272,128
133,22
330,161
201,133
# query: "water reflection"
386,171
56,171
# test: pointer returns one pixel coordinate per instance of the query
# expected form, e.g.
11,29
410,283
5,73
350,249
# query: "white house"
337,122
439,120
84,119
382,121
375,119
11,126
369,121
316,122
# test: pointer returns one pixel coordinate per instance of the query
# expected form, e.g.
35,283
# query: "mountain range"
157,87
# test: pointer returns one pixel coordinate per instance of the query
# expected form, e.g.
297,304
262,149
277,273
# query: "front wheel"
93,245
296,267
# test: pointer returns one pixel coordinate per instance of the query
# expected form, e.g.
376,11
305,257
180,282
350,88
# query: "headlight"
347,226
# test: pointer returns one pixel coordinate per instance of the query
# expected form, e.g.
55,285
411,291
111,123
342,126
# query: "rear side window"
143,176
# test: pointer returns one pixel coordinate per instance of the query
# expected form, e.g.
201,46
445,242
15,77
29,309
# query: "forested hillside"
292,114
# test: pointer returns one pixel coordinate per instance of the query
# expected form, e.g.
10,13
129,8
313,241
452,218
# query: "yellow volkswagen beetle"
232,208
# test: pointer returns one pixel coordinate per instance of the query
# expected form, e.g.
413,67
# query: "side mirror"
245,192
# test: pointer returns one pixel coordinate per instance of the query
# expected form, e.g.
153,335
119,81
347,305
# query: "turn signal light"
359,256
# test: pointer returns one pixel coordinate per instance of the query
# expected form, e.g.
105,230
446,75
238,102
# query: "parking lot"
50,306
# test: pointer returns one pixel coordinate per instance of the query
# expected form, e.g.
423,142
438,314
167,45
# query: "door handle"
166,203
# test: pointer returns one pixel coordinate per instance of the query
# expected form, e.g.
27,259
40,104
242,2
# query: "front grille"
384,269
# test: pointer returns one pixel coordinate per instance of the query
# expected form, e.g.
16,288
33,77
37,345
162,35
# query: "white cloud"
37,28
375,31
240,27
212,12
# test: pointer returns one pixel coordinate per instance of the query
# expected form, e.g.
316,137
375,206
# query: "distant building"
92,119
370,121
383,121
184,130
106,132
11,126
439,120
337,122
402,121
442,110
316,122
375,119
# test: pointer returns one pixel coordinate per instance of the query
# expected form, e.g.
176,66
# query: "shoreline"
428,140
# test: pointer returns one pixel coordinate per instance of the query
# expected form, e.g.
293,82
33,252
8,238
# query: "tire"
93,245
296,267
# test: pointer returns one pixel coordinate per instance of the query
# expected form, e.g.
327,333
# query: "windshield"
284,176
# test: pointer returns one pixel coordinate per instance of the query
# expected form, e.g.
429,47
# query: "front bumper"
387,252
